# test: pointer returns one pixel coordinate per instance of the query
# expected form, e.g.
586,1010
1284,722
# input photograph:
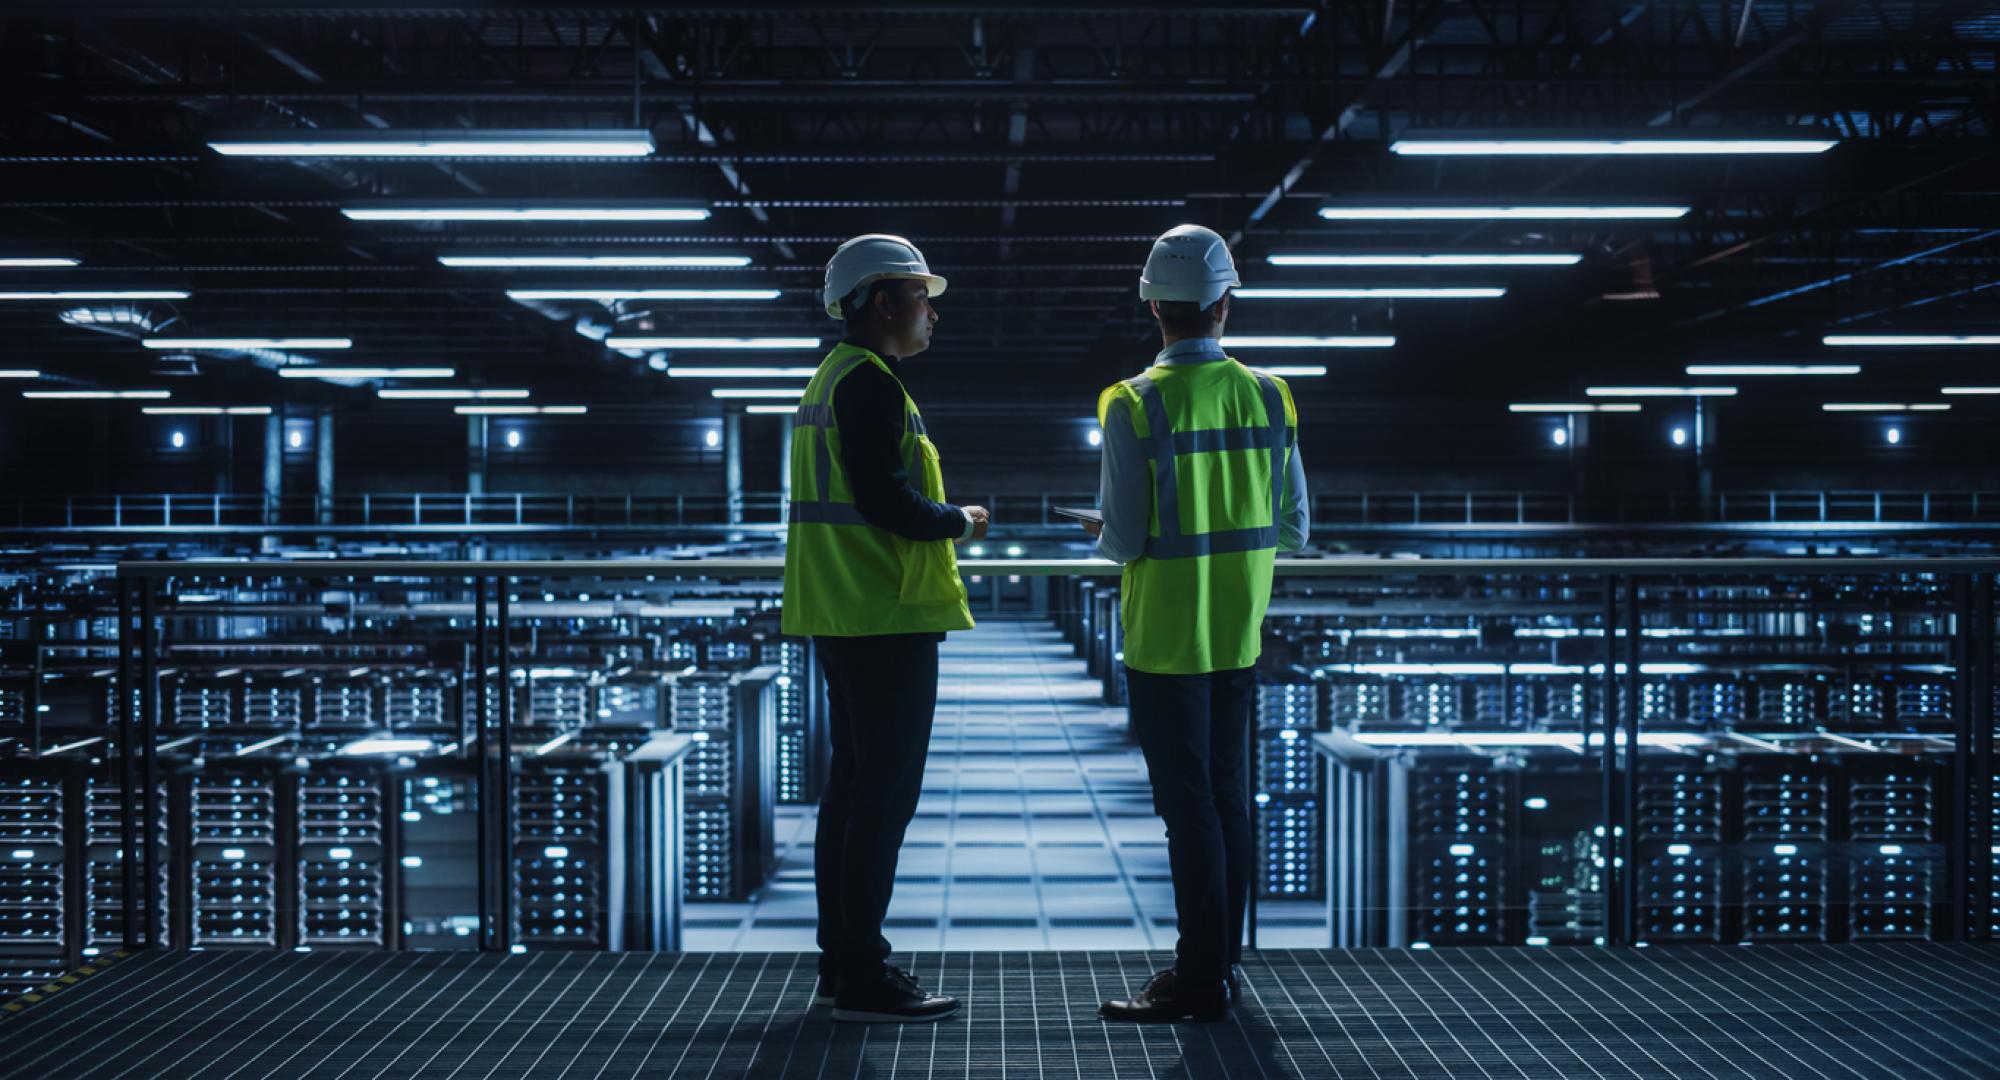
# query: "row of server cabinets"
273,832
1804,792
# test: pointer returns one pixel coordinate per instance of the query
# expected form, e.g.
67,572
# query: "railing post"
118,511
149,736
1927,506
1822,505
216,516
367,509
1628,843
1878,506
1364,508
483,776
517,508
128,777
468,508
417,509
504,804
1979,871
1774,506
1608,724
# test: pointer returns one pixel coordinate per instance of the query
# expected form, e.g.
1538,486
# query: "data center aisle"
1035,830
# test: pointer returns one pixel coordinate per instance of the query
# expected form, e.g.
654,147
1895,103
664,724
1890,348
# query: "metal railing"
762,511
1613,731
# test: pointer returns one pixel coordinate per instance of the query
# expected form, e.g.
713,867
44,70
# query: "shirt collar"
1199,350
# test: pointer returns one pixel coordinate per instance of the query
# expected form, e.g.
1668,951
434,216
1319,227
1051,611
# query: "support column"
732,462
1706,418
785,469
274,470
475,455
324,458
225,455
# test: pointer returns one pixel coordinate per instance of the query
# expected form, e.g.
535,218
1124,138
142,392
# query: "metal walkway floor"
1777,1011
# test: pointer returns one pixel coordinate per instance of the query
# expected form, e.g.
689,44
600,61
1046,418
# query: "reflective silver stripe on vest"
1166,445
826,513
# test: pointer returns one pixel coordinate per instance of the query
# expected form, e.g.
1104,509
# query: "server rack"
731,779
1288,789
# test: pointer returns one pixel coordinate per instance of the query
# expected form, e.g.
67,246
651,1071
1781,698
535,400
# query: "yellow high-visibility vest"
843,576
1218,438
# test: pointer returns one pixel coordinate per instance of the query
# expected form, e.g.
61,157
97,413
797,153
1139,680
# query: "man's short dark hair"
854,311
1184,318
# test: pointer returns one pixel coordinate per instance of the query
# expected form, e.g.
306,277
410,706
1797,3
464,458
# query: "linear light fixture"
1481,292
727,392
207,410
1502,213
617,342
588,262
36,261
1907,340
1293,371
525,214
325,372
1517,144
741,372
1572,407
770,410
19,373
95,395
1439,258
520,410
1659,391
1962,391
96,294
1773,369
460,394
299,343
612,296
1885,406
436,144
1290,341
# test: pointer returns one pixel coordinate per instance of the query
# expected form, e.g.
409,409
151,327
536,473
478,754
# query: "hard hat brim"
933,286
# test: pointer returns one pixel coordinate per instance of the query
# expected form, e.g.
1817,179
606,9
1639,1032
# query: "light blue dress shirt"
1124,490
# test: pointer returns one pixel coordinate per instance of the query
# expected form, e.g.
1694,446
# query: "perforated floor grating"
1778,1011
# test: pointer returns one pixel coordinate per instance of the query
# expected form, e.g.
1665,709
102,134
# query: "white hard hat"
867,259
1188,263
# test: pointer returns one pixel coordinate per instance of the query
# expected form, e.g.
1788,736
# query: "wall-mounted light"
711,438
514,439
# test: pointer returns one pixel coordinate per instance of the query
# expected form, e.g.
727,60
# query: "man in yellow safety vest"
1202,486
871,577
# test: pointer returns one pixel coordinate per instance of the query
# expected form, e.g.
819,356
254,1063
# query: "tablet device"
1079,513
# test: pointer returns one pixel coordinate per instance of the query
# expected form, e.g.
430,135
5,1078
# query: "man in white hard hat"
871,577
1227,491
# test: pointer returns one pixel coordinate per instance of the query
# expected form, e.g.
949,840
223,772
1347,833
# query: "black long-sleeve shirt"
868,406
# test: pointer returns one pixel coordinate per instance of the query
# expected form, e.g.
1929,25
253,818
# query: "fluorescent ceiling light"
741,372
1482,292
525,213
727,392
1953,390
609,296
434,144
35,261
248,343
207,410
19,373
770,410
324,372
617,342
450,395
1284,341
520,410
1501,213
1571,407
1659,391
1550,739
1879,340
1774,369
1430,259
96,395
387,746
584,262
1471,145
98,294
1293,371
1884,406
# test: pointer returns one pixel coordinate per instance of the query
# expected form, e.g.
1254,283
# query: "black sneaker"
891,998
823,992
1166,998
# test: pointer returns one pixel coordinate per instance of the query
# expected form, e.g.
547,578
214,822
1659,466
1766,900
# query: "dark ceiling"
1033,152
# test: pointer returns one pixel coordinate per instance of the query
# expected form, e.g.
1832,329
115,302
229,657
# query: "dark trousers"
1192,729
881,695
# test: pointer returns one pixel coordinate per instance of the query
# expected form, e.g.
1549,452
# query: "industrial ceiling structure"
1453,210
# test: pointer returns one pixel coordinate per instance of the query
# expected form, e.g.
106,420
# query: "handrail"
1310,567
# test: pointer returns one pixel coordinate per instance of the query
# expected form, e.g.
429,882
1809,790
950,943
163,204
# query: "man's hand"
981,517
1094,528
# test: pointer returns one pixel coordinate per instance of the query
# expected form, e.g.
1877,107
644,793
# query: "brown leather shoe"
1166,998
